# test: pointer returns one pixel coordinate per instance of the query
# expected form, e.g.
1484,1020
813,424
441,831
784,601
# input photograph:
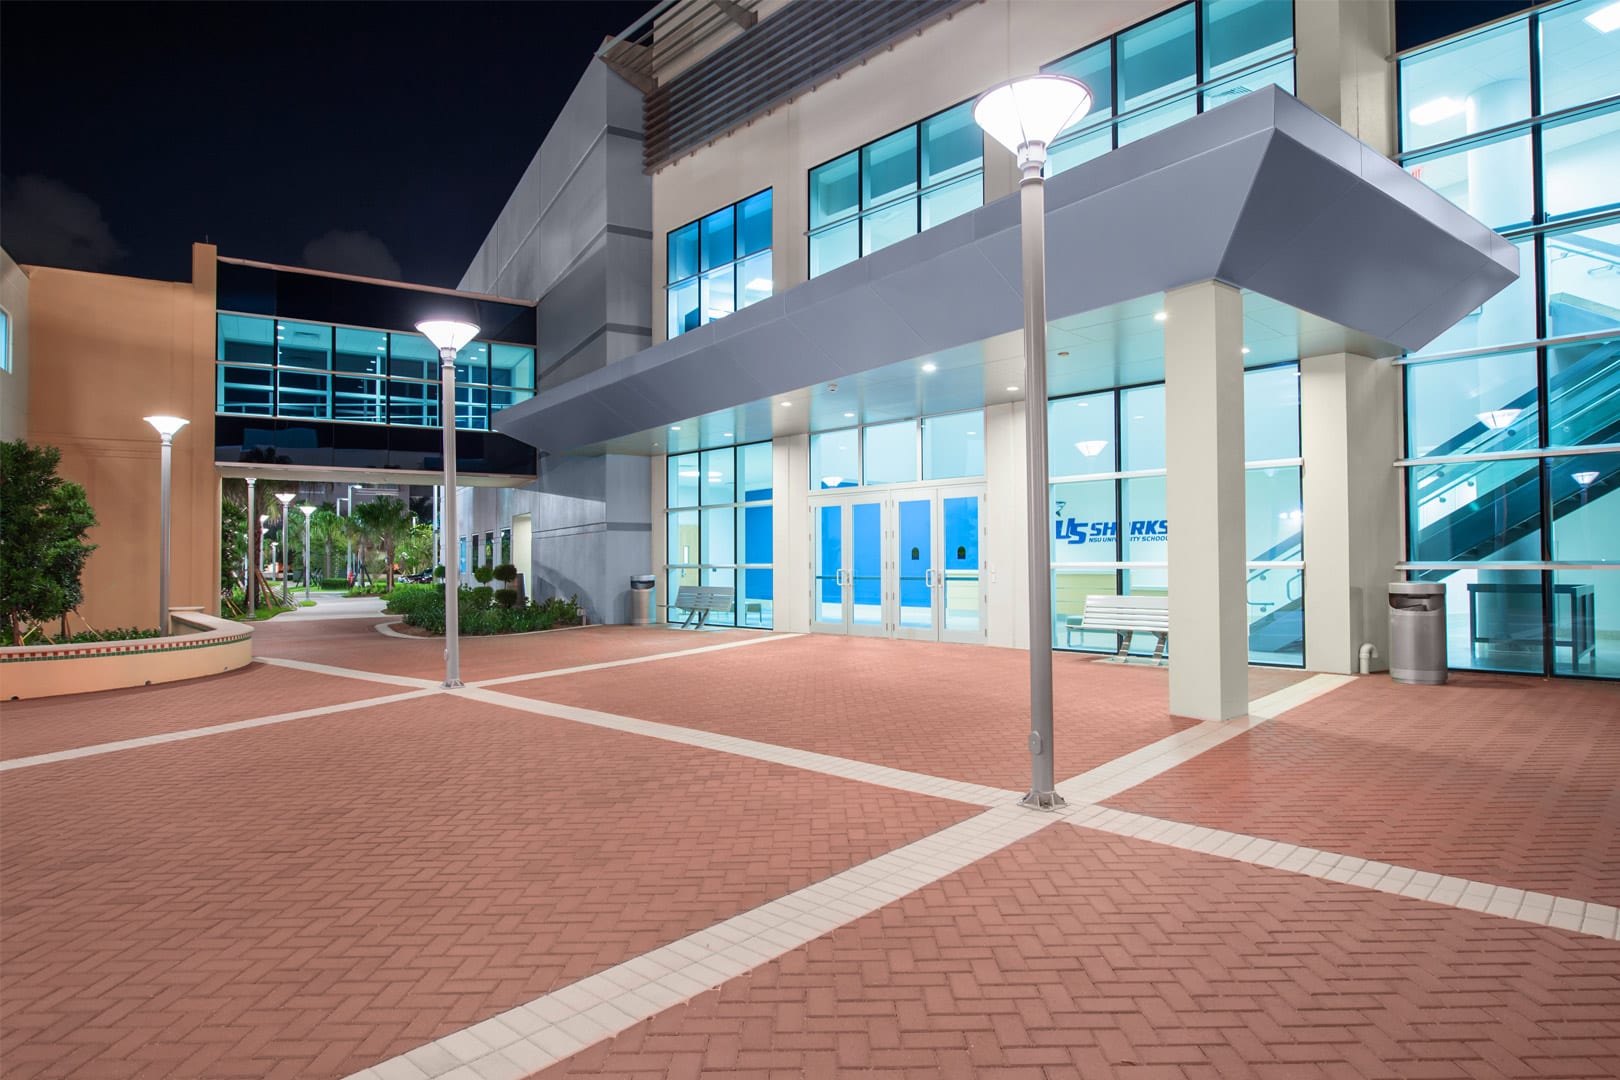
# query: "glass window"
1141,418
683,253
1279,74
1140,127
889,453
302,393
1072,152
1084,528
833,191
1145,532
953,200
683,308
1583,280
1271,413
889,168
244,339
1473,84
754,223
1241,33
1473,405
1093,66
1580,162
753,279
359,399
5,340
412,356
717,293
719,477
952,145
719,537
472,408
511,365
1507,318
953,445
1276,520
719,238
361,352
304,345
1580,54
1158,58
835,247
683,539
684,475
1490,182
1583,394
1586,622
414,404
1477,511
754,526
1080,435
1585,493
756,468
888,226
835,459
472,363
245,390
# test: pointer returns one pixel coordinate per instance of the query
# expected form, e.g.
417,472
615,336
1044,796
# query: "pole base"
1043,800
452,684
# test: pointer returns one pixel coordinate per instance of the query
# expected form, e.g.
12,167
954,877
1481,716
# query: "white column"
1349,419
790,529
1203,414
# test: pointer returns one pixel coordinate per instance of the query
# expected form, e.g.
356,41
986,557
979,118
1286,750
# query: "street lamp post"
285,498
252,562
166,427
307,511
1025,115
448,336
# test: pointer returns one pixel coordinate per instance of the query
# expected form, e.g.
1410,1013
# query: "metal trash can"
1417,632
641,599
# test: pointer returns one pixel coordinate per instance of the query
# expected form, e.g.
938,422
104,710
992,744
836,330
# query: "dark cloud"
45,222
345,251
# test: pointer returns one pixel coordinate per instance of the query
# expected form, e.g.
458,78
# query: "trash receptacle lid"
643,579
1417,588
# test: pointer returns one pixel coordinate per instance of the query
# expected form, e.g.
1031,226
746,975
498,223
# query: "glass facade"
1173,66
949,446
719,529
1513,415
895,187
5,340
719,264
318,371
1110,530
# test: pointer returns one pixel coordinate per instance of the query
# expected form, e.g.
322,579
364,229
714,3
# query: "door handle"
840,577
928,577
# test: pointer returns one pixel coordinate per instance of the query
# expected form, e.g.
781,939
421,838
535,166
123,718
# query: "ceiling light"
1497,419
1092,447
1606,19
787,404
831,481
725,434
676,427
973,433
1159,316
1012,389
849,416
1440,108
759,284
1245,350
930,367
688,473
1586,478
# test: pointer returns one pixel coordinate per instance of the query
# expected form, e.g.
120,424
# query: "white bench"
698,600
1125,615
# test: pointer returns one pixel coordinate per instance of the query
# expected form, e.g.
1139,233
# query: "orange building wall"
106,351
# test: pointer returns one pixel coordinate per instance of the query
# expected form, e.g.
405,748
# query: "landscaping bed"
480,611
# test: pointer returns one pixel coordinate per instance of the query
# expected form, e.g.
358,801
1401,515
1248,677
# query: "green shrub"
334,583
483,574
438,571
482,597
506,573
507,598
86,637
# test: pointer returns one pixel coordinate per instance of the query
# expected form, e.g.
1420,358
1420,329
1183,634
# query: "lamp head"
285,497
447,334
307,510
1031,111
167,425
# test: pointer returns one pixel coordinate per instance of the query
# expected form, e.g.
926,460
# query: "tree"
416,552
232,543
326,532
42,530
384,523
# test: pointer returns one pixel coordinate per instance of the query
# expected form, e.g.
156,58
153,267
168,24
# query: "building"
1363,303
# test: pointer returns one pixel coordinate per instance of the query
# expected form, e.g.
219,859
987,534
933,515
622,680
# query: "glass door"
960,578
916,560
867,569
828,601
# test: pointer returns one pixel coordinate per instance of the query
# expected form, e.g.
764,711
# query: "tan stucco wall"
14,383
106,351
203,645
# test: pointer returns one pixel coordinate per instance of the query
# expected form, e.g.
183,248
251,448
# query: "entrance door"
902,564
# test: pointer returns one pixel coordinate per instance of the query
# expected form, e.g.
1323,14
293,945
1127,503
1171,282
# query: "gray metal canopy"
1263,193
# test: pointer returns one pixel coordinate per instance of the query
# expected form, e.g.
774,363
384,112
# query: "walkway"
643,852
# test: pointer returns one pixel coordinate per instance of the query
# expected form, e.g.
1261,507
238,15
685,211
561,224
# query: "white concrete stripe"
352,673
198,733
846,768
760,640
1140,766
548,1029
1541,909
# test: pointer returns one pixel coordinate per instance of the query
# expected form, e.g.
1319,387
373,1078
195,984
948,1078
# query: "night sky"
372,138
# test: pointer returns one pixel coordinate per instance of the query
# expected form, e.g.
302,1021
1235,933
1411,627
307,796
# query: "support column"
1204,500
1349,410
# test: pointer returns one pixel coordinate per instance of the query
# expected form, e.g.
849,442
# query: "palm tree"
326,531
384,523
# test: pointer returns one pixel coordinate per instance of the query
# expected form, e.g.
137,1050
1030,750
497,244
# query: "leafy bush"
507,598
483,574
483,596
86,637
560,612
334,583
506,573
438,571
423,606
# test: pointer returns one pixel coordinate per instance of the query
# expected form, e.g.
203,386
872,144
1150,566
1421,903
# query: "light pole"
285,498
1025,115
307,510
252,560
166,427
448,336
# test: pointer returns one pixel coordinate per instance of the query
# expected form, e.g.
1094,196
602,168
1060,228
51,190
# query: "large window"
5,340
719,264
1111,532
719,518
317,371
1175,65
895,187
1513,414
945,447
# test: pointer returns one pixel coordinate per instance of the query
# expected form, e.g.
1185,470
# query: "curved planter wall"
207,647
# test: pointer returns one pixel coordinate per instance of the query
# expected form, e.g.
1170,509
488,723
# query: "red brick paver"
44,725
960,711
308,899
1074,954
356,643
1509,780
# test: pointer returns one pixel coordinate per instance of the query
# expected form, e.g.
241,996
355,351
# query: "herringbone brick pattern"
44,725
308,899
355,643
1497,778
959,711
1075,954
